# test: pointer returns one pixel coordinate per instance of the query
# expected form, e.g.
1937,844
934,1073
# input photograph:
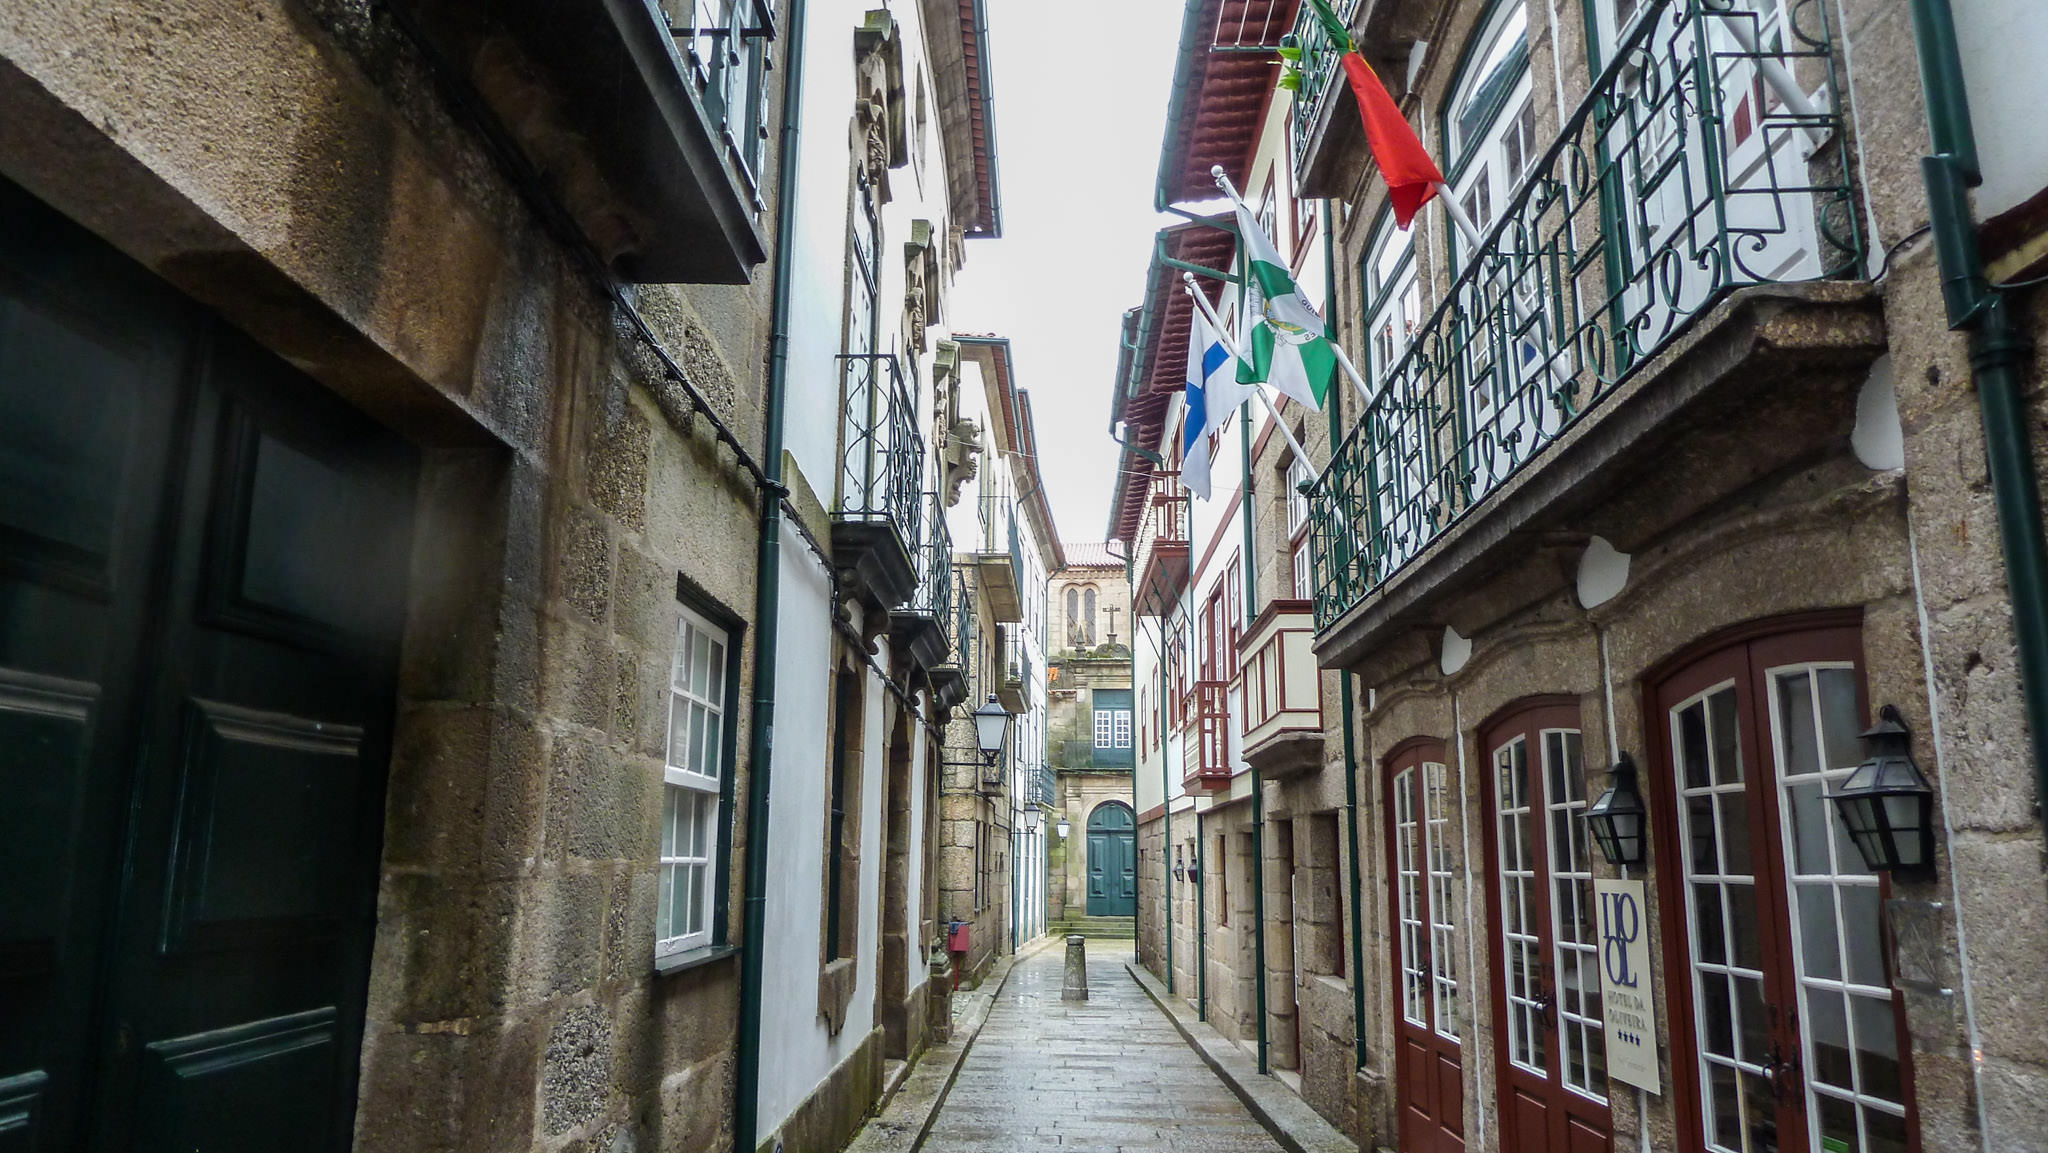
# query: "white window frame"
698,688
1120,728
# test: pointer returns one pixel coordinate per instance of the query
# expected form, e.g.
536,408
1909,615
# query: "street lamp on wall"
1064,828
1887,803
1616,817
991,727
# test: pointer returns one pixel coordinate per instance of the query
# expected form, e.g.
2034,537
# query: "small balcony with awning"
1205,739
1281,690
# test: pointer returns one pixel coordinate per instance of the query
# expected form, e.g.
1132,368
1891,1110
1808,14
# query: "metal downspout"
767,607
1251,612
1201,921
1999,353
1344,695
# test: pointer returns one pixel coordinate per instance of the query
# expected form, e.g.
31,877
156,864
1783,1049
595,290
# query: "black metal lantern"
991,726
1887,803
1617,817
1064,828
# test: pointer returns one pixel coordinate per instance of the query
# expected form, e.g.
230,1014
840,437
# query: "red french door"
1550,1048
1420,871
1790,1038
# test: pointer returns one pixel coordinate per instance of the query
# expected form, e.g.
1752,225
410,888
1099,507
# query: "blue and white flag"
1213,392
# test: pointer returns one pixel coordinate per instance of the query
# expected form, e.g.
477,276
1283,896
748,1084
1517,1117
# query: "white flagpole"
1230,346
1351,370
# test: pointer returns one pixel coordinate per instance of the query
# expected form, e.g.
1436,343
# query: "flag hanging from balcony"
1212,392
1411,176
1285,343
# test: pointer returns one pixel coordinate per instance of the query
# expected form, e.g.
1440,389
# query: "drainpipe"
1251,612
767,607
1344,695
1999,354
1201,921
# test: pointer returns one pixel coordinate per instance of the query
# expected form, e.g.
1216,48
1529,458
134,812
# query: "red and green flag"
1411,176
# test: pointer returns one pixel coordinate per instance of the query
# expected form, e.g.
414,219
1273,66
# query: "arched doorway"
1112,861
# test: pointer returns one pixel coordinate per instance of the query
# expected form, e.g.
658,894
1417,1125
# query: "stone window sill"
693,959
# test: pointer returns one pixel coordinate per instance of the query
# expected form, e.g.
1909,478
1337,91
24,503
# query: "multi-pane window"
692,781
1521,932
1443,909
1581,1032
1857,1088
1298,474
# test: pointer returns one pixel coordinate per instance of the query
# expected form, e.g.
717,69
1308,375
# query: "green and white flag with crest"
1285,343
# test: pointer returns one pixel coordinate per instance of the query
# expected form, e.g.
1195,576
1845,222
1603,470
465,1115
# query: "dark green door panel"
202,559
1112,861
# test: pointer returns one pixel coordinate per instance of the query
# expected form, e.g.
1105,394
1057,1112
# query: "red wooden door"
1789,1036
1420,839
1551,1052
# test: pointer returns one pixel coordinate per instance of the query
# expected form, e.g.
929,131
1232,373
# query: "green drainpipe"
1344,695
1251,612
1999,355
1201,921
767,607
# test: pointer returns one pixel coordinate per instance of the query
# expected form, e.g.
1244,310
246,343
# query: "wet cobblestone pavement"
1107,1075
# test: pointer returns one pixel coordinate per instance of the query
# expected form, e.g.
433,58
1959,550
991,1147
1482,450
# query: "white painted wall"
2003,44
798,1053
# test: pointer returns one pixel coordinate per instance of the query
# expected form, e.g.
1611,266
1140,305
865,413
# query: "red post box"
956,939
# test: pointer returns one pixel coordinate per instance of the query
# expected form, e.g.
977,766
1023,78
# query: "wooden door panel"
255,861
1450,1094
1527,1121
235,1090
1582,1136
1098,866
91,402
263,855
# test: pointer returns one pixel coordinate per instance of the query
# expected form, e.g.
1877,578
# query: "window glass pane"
663,923
1840,720
716,693
1727,752
1795,719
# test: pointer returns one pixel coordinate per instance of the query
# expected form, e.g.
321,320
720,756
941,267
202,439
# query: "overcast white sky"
1080,106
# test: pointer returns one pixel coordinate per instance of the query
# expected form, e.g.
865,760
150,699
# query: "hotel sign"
1631,1017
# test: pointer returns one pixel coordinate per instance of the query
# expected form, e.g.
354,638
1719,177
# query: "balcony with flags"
1686,240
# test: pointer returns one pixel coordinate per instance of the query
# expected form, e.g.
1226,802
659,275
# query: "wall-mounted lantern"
1616,817
1064,828
1031,819
1887,803
991,727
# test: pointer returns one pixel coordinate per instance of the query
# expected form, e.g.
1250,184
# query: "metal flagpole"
1230,346
1351,370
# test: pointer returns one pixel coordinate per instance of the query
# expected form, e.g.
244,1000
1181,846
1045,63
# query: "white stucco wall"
2003,44
796,1045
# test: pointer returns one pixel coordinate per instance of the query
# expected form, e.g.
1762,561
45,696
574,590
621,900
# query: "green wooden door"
1112,861
202,563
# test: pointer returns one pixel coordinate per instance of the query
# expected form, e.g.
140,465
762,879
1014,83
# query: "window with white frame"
1298,474
691,791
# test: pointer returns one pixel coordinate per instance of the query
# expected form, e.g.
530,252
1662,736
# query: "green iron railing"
725,46
1678,179
1318,67
882,473
934,595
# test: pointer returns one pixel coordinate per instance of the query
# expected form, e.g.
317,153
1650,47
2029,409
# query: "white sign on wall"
1631,1016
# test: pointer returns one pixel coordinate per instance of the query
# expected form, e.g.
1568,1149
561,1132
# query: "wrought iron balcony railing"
1002,555
1205,742
725,44
934,595
1318,75
1677,180
881,480
1161,547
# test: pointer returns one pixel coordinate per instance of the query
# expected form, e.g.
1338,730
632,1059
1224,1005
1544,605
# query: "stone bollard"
1075,986
939,1009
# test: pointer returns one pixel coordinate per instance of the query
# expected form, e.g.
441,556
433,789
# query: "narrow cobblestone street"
1110,1074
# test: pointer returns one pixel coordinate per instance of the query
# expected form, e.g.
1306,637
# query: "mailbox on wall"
956,936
